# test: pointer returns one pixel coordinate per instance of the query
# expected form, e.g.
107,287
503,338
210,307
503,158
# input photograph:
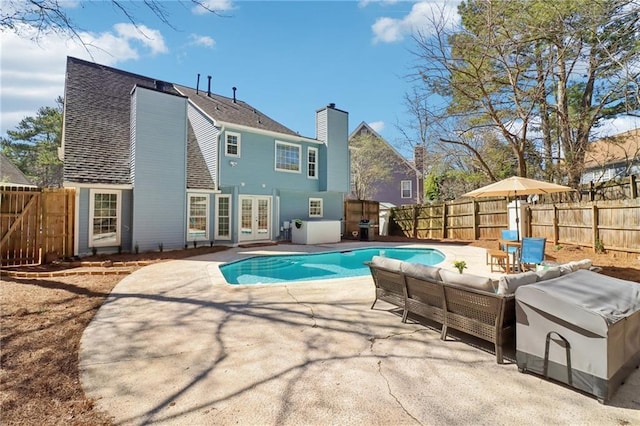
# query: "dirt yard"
42,320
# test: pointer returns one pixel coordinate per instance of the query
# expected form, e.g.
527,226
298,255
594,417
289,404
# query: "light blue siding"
255,168
159,193
295,205
207,136
83,248
333,129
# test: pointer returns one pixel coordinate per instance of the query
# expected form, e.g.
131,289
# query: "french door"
255,218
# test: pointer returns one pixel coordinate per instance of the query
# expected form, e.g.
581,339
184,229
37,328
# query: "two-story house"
405,183
156,164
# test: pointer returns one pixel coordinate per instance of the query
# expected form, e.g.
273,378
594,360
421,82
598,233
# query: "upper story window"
104,217
315,207
405,189
312,163
232,144
287,157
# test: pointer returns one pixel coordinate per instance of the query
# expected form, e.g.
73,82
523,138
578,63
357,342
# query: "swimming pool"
319,266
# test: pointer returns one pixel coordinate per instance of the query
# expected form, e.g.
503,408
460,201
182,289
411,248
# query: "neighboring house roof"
364,127
622,148
12,175
97,126
225,110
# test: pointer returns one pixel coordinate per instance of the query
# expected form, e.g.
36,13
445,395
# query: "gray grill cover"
597,315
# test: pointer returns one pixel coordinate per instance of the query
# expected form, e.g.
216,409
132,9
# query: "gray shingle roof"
221,108
97,114
97,126
10,174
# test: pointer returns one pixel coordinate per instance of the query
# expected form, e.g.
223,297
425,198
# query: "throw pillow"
549,273
467,280
508,284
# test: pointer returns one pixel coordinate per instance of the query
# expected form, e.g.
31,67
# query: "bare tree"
534,73
50,16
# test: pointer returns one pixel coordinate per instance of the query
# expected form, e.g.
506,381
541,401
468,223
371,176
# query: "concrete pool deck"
175,344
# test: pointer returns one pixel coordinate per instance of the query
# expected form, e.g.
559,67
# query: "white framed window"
312,163
315,207
287,157
405,189
232,144
197,217
223,217
104,217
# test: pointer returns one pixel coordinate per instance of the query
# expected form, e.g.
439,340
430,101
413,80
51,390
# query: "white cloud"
365,3
200,40
422,14
377,126
207,6
615,126
32,74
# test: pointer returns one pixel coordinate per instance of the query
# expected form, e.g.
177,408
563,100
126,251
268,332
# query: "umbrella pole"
515,193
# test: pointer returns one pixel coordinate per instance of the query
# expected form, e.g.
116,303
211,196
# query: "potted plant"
460,265
298,223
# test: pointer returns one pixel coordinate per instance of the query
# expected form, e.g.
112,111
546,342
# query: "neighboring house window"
315,207
405,189
223,217
287,157
232,144
198,217
312,163
104,218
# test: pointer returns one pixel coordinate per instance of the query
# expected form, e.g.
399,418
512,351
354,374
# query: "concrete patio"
175,344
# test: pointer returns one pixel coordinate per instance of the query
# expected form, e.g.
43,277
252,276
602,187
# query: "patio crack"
313,314
392,394
373,339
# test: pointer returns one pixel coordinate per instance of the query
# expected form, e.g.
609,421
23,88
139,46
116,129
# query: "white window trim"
226,143
92,193
309,150
217,212
410,189
275,157
321,207
208,216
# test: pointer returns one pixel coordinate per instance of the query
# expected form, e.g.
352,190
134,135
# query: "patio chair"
510,235
532,251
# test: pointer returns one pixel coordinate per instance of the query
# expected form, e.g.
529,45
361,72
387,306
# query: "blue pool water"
318,266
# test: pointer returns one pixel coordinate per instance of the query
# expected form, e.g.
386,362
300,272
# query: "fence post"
556,230
594,225
476,229
444,220
415,221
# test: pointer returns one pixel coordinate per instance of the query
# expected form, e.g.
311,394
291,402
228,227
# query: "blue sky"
286,58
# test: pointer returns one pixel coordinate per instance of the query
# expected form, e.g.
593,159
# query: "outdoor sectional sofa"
475,305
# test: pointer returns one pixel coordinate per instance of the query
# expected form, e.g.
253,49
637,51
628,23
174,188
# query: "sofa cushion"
420,271
548,273
387,263
467,280
580,264
509,283
565,269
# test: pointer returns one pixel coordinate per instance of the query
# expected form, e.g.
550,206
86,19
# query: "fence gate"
35,223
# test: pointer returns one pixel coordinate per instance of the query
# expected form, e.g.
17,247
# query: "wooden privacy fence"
355,211
610,225
35,224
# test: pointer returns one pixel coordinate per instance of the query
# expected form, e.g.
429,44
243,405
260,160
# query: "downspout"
219,162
